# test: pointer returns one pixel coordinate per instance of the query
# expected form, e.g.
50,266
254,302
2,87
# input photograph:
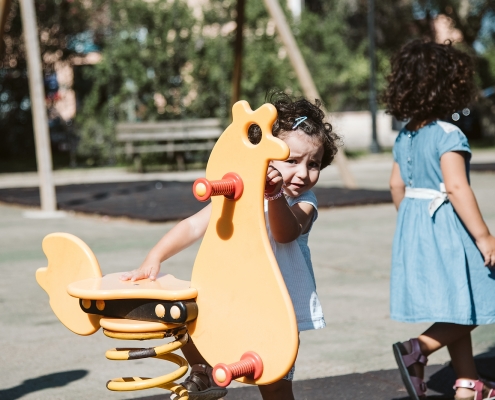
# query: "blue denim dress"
438,273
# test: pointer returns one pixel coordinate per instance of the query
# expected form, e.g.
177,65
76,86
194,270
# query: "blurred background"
128,84
107,62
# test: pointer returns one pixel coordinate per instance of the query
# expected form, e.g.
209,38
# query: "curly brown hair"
314,125
429,80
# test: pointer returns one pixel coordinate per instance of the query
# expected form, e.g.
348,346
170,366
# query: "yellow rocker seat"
81,303
83,300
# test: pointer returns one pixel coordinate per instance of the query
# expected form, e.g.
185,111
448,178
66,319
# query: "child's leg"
199,383
461,353
442,334
434,338
280,390
458,340
192,354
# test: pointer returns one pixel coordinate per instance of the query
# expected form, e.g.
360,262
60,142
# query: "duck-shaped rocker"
236,307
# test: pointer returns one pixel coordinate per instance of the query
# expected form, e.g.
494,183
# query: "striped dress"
294,260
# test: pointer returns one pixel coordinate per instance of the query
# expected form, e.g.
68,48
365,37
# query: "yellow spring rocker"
236,307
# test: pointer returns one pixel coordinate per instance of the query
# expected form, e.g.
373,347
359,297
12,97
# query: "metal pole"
375,147
238,45
38,107
304,77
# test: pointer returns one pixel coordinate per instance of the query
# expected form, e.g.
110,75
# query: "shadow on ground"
375,385
57,379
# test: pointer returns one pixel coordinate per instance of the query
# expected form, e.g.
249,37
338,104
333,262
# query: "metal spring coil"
163,352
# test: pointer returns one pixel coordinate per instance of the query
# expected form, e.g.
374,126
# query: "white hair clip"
299,121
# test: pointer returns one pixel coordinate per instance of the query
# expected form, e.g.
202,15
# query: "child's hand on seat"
148,269
274,181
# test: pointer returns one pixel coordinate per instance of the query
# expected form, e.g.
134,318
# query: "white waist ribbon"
437,197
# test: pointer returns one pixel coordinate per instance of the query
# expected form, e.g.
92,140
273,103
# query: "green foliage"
211,63
59,21
163,60
160,50
265,64
486,68
334,42
144,73
339,69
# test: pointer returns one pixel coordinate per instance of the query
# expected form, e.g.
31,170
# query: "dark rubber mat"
375,385
486,167
158,201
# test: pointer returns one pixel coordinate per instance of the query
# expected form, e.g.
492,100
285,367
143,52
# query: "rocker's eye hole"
254,134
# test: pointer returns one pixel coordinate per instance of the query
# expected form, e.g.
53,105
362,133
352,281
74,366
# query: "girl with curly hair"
290,211
443,253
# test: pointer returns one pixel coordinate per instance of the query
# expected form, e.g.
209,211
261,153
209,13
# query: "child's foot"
418,368
469,389
200,384
411,363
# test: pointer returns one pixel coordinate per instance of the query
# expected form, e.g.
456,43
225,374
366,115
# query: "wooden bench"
176,138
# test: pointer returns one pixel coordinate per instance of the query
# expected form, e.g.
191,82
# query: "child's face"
302,169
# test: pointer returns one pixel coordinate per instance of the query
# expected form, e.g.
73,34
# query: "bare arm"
181,236
286,223
461,196
397,186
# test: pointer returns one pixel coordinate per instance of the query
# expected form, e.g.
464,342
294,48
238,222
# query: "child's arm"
461,196
397,186
286,223
182,235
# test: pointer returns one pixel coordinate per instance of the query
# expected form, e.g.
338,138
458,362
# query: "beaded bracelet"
275,196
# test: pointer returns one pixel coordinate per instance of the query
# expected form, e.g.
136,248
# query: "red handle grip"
250,364
230,186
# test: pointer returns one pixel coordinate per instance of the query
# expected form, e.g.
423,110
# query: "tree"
144,73
59,23
159,62
467,15
162,60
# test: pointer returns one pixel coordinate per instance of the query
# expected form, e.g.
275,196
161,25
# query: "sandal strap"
419,385
475,385
201,368
200,384
200,377
415,356
489,389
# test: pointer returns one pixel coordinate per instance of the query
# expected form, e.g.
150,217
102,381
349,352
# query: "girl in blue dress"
443,253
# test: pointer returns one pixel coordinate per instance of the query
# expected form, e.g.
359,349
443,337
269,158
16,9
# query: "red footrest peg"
230,186
250,364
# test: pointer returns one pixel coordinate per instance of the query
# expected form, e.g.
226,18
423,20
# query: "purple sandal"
416,388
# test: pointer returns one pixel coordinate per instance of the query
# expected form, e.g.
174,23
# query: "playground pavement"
350,359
